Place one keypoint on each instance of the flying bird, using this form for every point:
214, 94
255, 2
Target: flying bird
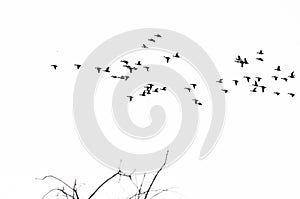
114, 76
285, 79
107, 70
151, 40
235, 82
248, 78
292, 75
199, 103
188, 89
157, 35
277, 93
254, 90
196, 101
98, 69
176, 55
155, 90
193, 85
147, 68
255, 84
263, 88
260, 52
167, 59
138, 63
54, 66
260, 59
291, 94
164, 88
143, 94
130, 98
126, 77
220, 81
77, 65
125, 62
225, 90
258, 78
144, 46
278, 68
275, 77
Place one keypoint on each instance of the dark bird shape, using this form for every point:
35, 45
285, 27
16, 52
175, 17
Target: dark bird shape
258, 78
143, 94
144, 46
242, 62
138, 63
285, 79
151, 40
125, 62
148, 92
224, 90
107, 70
235, 82
130, 98
188, 89
164, 88
254, 90
292, 75
277, 93
77, 65
263, 88
54, 66
157, 35
260, 59
220, 81
98, 69
155, 90
238, 59
278, 68
199, 103
195, 100
147, 68
291, 94
114, 76
275, 77
126, 77
176, 55
193, 85
131, 69
260, 52
122, 77
248, 78
255, 84
150, 85
167, 59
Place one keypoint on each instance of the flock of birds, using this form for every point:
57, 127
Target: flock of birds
152, 88
256, 81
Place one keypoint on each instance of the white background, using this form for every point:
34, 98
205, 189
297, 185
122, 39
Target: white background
258, 153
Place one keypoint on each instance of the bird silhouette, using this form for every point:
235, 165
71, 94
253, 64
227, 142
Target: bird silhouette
114, 76
278, 68
199, 103
130, 98
155, 90
224, 90
98, 69
151, 40
77, 65
255, 84
235, 82
193, 85
260, 59
263, 88
260, 52
148, 92
195, 100
291, 94
167, 59
176, 55
143, 94
144, 46
248, 78
238, 59
292, 75
107, 70
285, 79
275, 77
277, 93
125, 62
147, 68
258, 78
254, 90
220, 81
138, 63
131, 69
188, 89
164, 88
54, 66
157, 35
149, 86
126, 77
